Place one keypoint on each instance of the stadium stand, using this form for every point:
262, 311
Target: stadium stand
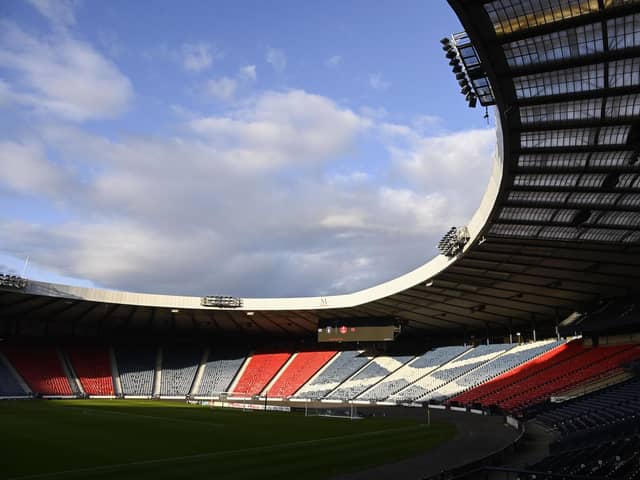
260, 369
220, 369
179, 365
136, 366
299, 371
371, 374
9, 386
91, 364
603, 409
536, 381
422, 388
615, 459
483, 393
410, 372
40, 367
340, 368
513, 358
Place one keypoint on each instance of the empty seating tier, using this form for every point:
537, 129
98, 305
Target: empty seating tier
259, 371
422, 389
93, 368
541, 379
412, 371
179, 366
480, 393
301, 369
375, 371
341, 367
40, 367
220, 370
611, 406
507, 361
136, 366
614, 459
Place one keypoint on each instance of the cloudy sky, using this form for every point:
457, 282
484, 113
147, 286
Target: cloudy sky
237, 147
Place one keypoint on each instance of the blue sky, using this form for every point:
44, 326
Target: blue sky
249, 148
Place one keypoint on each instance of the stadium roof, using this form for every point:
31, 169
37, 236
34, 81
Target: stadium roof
557, 231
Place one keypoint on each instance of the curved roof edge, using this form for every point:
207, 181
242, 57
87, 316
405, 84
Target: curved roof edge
421, 274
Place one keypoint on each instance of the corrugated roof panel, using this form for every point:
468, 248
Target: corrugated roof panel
610, 159
559, 233
559, 82
592, 180
508, 16
623, 106
540, 180
527, 214
514, 230
603, 235
569, 137
551, 198
624, 73
623, 219
555, 46
565, 215
630, 200
624, 32
626, 180
561, 112
592, 199
553, 160
614, 135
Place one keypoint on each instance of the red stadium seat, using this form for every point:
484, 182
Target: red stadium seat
259, 371
40, 367
298, 372
93, 368
536, 381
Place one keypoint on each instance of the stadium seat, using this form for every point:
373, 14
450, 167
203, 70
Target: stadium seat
424, 388
376, 370
410, 372
337, 370
93, 368
538, 380
40, 367
221, 368
179, 366
259, 371
136, 365
299, 371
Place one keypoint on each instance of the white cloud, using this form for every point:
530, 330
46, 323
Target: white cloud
252, 191
276, 58
221, 88
377, 82
248, 72
198, 56
61, 13
333, 62
279, 129
26, 170
62, 76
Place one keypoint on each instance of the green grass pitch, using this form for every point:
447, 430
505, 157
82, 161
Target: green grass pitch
123, 439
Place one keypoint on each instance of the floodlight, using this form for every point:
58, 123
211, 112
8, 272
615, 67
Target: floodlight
473, 102
451, 54
461, 75
445, 40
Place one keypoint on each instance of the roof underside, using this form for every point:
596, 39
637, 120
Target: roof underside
564, 232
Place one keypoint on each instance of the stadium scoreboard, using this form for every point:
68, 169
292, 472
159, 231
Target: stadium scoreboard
358, 330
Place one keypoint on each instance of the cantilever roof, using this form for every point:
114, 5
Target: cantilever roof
558, 229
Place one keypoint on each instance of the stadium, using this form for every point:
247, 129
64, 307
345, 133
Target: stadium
513, 354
